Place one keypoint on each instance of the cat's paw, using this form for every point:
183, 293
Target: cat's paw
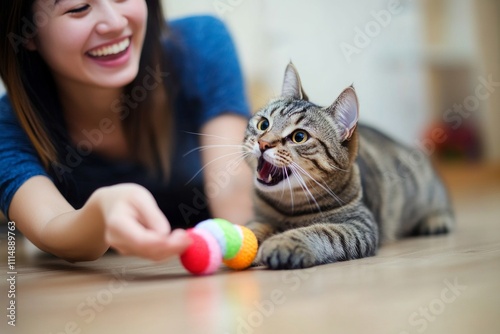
283, 252
435, 224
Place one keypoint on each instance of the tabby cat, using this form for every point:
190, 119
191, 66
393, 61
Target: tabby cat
327, 189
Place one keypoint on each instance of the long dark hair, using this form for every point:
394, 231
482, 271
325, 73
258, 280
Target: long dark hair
33, 94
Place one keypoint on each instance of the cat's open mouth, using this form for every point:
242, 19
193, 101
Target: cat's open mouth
269, 174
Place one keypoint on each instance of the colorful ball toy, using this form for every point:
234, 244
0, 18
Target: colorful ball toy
247, 252
204, 255
216, 241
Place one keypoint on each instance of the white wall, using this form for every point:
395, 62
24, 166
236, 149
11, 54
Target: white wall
390, 73
387, 73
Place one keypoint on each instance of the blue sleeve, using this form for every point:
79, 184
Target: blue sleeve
211, 72
18, 158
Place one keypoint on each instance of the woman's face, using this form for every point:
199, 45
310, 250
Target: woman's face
90, 42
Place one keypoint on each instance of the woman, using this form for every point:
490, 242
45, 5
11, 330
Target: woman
104, 109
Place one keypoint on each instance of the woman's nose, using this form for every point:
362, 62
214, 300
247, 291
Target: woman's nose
110, 19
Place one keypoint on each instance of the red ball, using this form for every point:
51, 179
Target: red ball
195, 258
204, 255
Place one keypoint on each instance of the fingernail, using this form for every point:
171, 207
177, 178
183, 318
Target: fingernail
181, 235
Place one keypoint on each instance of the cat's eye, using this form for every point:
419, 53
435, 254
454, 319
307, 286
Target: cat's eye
263, 124
299, 136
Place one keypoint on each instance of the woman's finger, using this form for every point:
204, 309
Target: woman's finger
133, 238
150, 215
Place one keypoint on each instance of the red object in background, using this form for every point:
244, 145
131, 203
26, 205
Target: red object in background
462, 143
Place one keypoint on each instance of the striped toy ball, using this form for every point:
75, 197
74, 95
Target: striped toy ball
204, 255
228, 236
247, 252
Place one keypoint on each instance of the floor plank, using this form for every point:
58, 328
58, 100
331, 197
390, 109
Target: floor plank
445, 284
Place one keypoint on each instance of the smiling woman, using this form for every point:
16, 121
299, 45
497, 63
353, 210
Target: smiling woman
43, 27
103, 99
97, 26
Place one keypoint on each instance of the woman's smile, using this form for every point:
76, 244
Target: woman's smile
111, 54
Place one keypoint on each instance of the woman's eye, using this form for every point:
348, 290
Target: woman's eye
299, 136
78, 10
263, 124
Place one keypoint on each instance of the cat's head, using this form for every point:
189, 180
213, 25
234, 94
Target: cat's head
294, 143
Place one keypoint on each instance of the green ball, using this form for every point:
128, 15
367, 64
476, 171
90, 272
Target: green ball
233, 238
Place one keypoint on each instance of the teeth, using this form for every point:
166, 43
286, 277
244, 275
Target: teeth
111, 49
269, 178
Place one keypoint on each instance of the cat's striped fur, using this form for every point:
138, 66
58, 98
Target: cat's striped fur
328, 189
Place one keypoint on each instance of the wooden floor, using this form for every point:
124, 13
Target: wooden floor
447, 284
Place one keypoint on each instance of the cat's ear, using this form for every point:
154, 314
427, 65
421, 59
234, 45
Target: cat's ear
345, 111
292, 87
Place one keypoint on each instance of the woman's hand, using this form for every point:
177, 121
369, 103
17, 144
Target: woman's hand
134, 224
124, 217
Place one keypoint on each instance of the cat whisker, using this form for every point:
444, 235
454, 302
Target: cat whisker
238, 160
214, 160
304, 187
324, 187
237, 140
338, 168
206, 147
289, 187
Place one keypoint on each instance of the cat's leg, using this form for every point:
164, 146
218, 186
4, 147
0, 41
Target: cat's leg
321, 243
440, 222
438, 213
262, 231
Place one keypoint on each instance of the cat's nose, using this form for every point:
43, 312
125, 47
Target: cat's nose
264, 145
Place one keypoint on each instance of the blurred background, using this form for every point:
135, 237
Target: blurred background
426, 71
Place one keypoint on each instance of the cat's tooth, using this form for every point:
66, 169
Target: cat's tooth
269, 178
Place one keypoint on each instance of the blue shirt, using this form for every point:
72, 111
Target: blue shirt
211, 84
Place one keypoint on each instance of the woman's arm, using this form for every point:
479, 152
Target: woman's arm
228, 179
124, 217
